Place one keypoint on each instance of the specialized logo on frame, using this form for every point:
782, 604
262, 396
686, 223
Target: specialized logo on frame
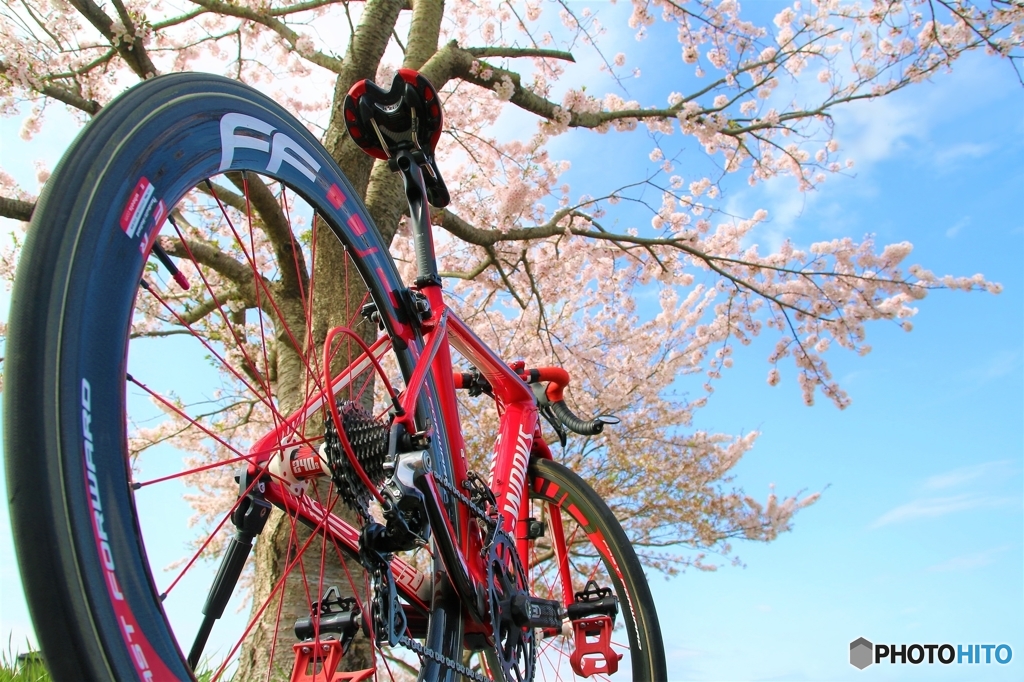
863, 653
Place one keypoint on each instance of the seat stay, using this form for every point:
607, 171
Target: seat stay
289, 431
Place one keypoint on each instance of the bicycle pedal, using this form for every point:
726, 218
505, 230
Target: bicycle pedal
593, 654
319, 660
331, 615
594, 601
537, 612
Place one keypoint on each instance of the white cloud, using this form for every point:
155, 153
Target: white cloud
785, 208
903, 124
995, 470
970, 150
874, 130
934, 507
998, 365
968, 562
954, 230
966, 488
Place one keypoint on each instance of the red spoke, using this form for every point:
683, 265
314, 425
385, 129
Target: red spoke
278, 586
189, 472
185, 416
259, 306
220, 308
323, 557
307, 306
292, 541
306, 298
260, 282
210, 537
265, 400
252, 457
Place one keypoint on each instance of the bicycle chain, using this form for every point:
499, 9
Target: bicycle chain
413, 645
477, 510
449, 663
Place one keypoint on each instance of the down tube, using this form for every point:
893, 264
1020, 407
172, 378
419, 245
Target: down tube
518, 418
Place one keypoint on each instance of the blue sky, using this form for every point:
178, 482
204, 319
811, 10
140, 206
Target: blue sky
919, 536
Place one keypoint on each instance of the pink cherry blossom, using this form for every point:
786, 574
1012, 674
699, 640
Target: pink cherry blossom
634, 304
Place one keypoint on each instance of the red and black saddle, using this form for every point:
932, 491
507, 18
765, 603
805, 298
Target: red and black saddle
407, 116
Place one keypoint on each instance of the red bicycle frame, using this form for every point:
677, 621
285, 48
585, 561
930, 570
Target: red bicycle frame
518, 439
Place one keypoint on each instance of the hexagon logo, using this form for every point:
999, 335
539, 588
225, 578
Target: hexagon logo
861, 653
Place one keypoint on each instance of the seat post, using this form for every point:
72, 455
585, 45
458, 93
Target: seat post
405, 161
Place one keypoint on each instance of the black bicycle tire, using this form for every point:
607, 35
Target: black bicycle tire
64, 370
552, 482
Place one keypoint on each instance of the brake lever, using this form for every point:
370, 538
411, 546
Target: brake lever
544, 408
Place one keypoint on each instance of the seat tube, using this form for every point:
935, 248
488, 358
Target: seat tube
428, 281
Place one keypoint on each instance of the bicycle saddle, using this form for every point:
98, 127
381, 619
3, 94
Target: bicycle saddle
407, 116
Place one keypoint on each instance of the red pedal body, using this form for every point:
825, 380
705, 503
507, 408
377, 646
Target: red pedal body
593, 652
318, 662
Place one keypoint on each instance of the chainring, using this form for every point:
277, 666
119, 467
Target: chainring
515, 646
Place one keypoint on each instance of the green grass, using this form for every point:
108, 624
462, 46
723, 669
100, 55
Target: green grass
11, 670
22, 668
29, 668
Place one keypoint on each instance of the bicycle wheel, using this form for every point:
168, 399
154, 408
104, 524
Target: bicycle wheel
131, 407
598, 553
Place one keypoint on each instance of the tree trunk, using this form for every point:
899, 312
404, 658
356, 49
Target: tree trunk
338, 293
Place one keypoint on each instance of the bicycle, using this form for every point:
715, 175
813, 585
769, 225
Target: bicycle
525, 575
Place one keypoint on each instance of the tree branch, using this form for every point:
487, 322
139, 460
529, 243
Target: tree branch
720, 265
61, 94
424, 31
212, 257
514, 52
290, 260
180, 19
471, 274
304, 6
194, 315
16, 209
269, 21
134, 53
146, 68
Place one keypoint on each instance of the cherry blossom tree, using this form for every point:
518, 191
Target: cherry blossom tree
541, 270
